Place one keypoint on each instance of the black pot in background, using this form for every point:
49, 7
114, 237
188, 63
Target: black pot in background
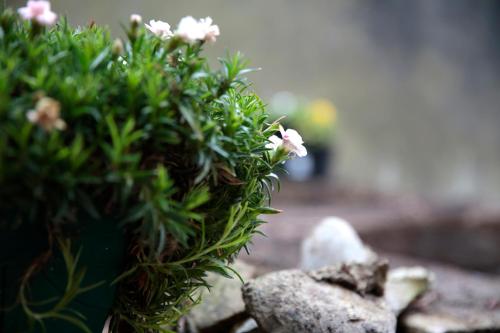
315, 165
322, 156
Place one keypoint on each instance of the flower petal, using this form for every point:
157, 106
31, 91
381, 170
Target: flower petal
25, 13
301, 151
282, 131
275, 142
32, 116
294, 136
60, 124
47, 18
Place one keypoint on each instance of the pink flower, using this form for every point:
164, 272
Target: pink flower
191, 30
38, 11
160, 29
291, 142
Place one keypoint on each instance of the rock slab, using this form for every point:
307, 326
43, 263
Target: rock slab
458, 302
223, 303
293, 301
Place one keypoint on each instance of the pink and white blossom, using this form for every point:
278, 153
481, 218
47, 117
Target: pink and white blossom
191, 30
211, 31
160, 29
38, 11
136, 19
290, 141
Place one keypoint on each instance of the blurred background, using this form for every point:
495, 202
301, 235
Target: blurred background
399, 105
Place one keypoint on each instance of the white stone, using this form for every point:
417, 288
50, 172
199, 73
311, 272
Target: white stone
405, 284
248, 326
333, 241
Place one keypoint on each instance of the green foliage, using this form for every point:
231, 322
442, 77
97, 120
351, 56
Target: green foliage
154, 138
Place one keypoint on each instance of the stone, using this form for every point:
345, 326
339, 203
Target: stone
364, 279
293, 301
248, 326
404, 285
442, 323
222, 305
459, 302
333, 241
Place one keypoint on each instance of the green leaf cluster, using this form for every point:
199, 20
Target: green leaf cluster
156, 139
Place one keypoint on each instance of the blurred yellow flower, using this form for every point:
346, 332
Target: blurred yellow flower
316, 119
322, 112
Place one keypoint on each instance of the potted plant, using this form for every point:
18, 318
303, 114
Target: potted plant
316, 120
128, 169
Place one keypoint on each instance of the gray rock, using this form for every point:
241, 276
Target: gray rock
364, 279
248, 326
459, 302
293, 301
333, 241
442, 323
404, 285
223, 302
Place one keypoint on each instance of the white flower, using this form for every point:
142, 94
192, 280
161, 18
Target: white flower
47, 114
291, 142
211, 31
160, 29
191, 30
136, 19
38, 11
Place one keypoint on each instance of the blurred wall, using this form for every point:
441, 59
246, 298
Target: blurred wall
416, 82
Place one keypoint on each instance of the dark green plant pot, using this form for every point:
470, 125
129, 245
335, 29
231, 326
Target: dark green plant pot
102, 246
323, 157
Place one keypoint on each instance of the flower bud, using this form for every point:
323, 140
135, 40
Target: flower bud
7, 20
117, 48
135, 20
